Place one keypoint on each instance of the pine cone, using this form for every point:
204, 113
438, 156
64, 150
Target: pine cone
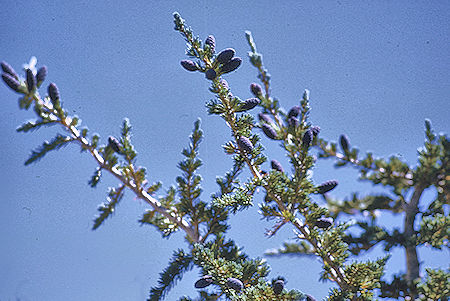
210, 74
114, 144
11, 81
41, 74
294, 111
276, 165
53, 92
225, 55
315, 130
269, 131
224, 83
235, 284
327, 186
310, 298
231, 65
344, 143
256, 89
211, 41
307, 138
324, 222
264, 117
189, 65
278, 287
245, 144
9, 70
31, 80
250, 104
203, 282
293, 122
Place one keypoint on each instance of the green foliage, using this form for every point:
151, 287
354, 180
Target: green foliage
115, 195
436, 285
407, 185
56, 143
287, 200
180, 263
33, 125
435, 231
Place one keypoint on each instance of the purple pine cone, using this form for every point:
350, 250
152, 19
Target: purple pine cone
294, 111
269, 131
114, 144
11, 81
235, 284
324, 222
211, 42
224, 83
189, 65
327, 186
256, 89
231, 65
31, 80
210, 74
278, 287
344, 143
225, 55
264, 117
293, 122
41, 74
310, 298
245, 144
250, 104
276, 165
9, 70
315, 130
53, 92
307, 138
203, 282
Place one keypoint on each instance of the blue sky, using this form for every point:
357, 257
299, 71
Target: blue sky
375, 69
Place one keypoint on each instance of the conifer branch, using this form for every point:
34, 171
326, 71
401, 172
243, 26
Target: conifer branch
33, 125
56, 143
114, 197
49, 111
180, 263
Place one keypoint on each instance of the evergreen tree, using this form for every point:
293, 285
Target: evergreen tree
227, 271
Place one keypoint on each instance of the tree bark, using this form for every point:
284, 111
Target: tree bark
412, 260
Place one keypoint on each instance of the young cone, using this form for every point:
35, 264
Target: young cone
11, 82
203, 282
210, 74
250, 104
40, 75
9, 70
189, 65
235, 284
53, 92
245, 144
324, 222
278, 287
114, 144
344, 143
225, 55
256, 89
264, 117
307, 138
231, 65
269, 131
31, 80
276, 165
211, 42
327, 186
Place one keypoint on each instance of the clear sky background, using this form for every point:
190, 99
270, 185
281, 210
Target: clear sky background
375, 69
